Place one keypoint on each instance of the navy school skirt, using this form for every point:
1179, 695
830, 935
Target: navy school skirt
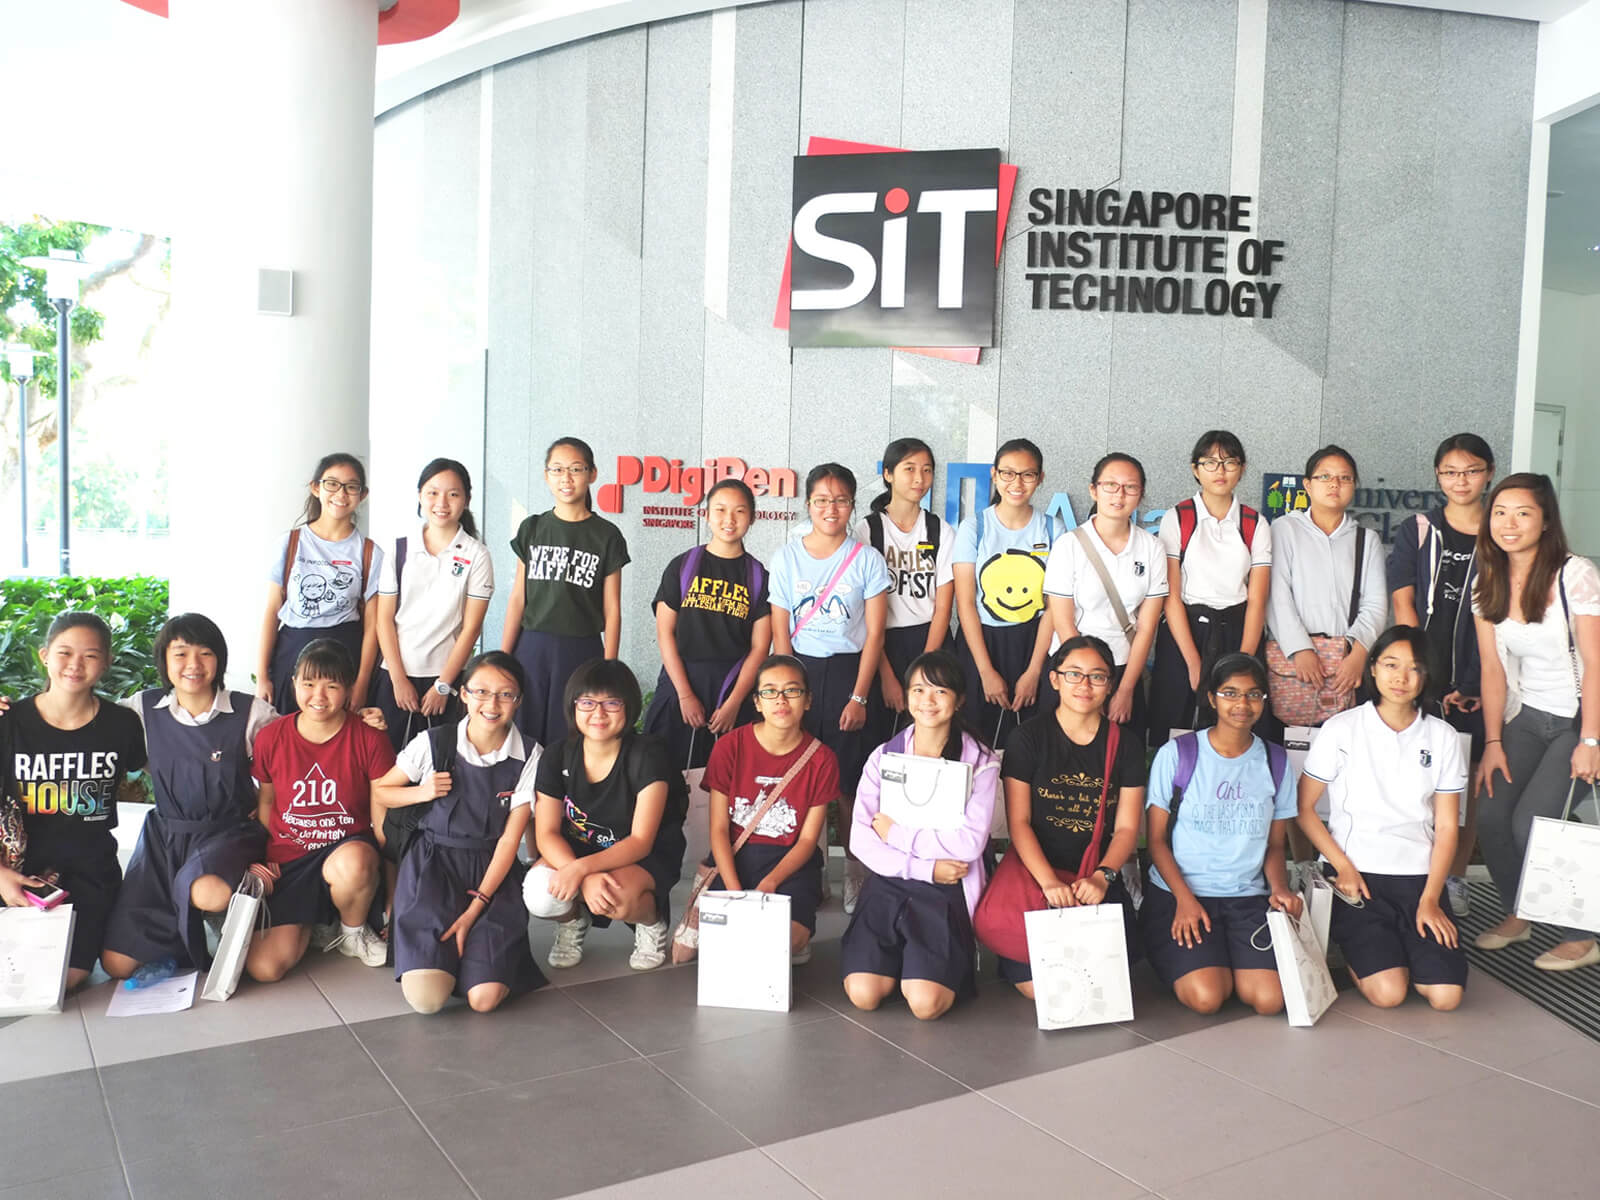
901, 646
912, 929
300, 896
549, 659
286, 648
403, 726
710, 678
833, 682
804, 888
1010, 650
1173, 704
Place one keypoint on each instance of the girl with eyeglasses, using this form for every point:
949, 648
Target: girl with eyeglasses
999, 570
1394, 777
782, 854
565, 606
460, 927
913, 929
1073, 803
917, 548
1217, 851
322, 575
713, 628
1537, 609
1433, 567
608, 824
1136, 564
1219, 573
829, 605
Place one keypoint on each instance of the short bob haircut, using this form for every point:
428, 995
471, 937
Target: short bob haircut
603, 677
497, 660
1229, 665
327, 659
1084, 641
198, 630
1417, 640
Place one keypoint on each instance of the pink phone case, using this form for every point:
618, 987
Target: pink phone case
55, 899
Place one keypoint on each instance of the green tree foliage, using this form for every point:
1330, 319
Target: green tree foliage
134, 608
22, 292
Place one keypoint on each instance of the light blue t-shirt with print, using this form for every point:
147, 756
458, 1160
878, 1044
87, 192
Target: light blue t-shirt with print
1228, 808
840, 626
1009, 563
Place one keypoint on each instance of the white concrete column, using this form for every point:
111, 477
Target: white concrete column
273, 107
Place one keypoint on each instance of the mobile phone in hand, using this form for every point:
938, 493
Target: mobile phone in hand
44, 895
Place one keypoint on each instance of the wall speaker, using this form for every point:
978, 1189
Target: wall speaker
275, 292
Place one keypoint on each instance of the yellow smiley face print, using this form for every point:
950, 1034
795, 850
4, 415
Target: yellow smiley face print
1011, 585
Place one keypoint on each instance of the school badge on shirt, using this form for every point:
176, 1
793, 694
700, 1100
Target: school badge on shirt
1426, 757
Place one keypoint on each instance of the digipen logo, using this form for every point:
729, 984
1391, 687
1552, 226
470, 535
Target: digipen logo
689, 485
895, 249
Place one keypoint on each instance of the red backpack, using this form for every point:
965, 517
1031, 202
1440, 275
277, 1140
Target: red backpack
1188, 519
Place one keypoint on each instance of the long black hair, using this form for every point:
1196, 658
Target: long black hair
893, 454
943, 669
338, 458
1018, 446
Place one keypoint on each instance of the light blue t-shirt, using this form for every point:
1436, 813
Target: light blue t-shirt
840, 627
1010, 565
1228, 808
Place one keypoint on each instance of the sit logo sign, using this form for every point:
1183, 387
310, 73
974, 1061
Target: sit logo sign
895, 249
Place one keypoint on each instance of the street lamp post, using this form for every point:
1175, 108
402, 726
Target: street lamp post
20, 360
63, 271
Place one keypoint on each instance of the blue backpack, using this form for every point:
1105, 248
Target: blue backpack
691, 564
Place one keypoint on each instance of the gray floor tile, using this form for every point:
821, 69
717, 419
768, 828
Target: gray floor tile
749, 1174
800, 1080
380, 1156
1156, 1116
1538, 1143
576, 1132
658, 1011
54, 1124
896, 1155
1575, 1071
458, 1051
106, 1183
356, 991
1334, 1166
1157, 1015
229, 1094
993, 1039
44, 1045
1323, 1067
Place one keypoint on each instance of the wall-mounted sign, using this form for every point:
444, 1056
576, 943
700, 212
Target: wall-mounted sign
681, 488
1380, 509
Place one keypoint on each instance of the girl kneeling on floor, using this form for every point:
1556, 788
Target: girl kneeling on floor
913, 927
1073, 802
781, 855
1217, 850
314, 770
1394, 778
608, 827
459, 924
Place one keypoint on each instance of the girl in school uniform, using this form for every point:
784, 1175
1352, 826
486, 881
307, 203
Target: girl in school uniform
782, 854
1329, 595
69, 751
459, 926
203, 835
713, 628
428, 627
608, 826
314, 770
323, 574
999, 575
1134, 561
1432, 569
913, 928
917, 549
1537, 610
1219, 572
1217, 847
1073, 804
829, 605
1394, 777
566, 599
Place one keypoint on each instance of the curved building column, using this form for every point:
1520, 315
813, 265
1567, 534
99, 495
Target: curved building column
273, 108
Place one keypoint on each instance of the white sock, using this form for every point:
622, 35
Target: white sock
349, 930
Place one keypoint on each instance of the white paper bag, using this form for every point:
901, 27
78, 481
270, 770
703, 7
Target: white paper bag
697, 825
1302, 968
237, 927
1561, 875
924, 793
1317, 893
35, 944
744, 951
1079, 958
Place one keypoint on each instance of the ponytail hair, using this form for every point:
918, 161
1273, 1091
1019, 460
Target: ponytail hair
584, 452
893, 453
1014, 446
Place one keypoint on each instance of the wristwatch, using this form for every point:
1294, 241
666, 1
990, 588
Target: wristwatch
1589, 741
861, 700
443, 688
1111, 876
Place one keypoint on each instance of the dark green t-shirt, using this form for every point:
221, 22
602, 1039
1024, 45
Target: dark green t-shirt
567, 563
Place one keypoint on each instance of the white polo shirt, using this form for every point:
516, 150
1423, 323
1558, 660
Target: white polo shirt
1138, 572
434, 590
1216, 570
1381, 786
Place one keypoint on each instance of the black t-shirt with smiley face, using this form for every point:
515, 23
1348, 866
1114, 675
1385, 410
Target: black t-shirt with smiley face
1009, 565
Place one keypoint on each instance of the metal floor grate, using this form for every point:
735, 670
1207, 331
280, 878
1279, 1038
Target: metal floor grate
1574, 996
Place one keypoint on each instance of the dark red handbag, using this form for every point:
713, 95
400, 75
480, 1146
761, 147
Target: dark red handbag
1013, 891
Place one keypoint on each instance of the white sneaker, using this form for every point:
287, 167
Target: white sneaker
801, 956
567, 951
649, 946
1460, 895
324, 937
362, 944
853, 875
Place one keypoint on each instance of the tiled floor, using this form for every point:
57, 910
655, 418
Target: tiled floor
612, 1083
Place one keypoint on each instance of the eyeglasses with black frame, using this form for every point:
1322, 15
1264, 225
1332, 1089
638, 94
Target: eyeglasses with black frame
792, 692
